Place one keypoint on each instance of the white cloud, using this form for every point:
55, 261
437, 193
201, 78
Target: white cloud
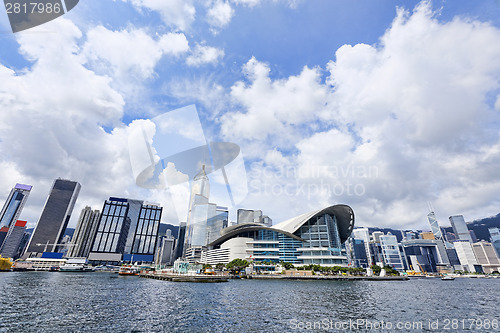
130, 52
404, 121
179, 14
219, 14
203, 54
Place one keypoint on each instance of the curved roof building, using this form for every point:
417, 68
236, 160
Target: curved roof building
312, 238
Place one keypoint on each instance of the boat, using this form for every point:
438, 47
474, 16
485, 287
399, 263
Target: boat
76, 265
447, 278
76, 268
129, 270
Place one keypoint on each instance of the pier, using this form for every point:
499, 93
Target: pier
184, 277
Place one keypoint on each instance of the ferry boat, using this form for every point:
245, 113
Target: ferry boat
76, 265
5, 264
129, 270
447, 278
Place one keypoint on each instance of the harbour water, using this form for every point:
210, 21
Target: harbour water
106, 302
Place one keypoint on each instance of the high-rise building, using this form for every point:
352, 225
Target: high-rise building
127, 230
196, 228
248, 216
10, 246
495, 238
14, 205
217, 221
460, 228
390, 252
56, 213
427, 255
364, 235
436, 230
466, 255
486, 256
179, 244
84, 234
165, 251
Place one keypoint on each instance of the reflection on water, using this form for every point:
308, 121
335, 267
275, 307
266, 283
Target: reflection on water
90, 302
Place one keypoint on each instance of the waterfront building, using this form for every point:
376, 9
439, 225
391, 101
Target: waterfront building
127, 231
45, 264
435, 229
312, 238
55, 216
466, 256
429, 255
14, 205
390, 252
84, 234
356, 251
460, 228
495, 238
453, 258
486, 256
10, 246
364, 235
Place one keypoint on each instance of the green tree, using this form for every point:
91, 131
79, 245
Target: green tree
287, 265
207, 266
237, 265
376, 269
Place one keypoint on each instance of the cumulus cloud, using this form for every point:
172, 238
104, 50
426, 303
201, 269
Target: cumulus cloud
219, 14
203, 54
130, 52
179, 14
391, 127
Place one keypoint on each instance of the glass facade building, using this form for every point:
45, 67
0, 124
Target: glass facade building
55, 217
313, 238
85, 233
14, 205
460, 228
126, 227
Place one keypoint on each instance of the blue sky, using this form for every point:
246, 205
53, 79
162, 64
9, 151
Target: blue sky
382, 105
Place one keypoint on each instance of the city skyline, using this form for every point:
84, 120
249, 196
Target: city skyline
383, 106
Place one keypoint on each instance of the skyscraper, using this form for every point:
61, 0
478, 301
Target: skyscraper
85, 232
390, 252
10, 246
196, 228
495, 238
460, 228
127, 230
436, 230
217, 221
55, 216
14, 205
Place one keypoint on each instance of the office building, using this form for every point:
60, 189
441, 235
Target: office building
14, 205
179, 243
460, 228
10, 246
426, 255
311, 238
85, 233
248, 216
356, 251
127, 231
427, 235
3, 234
486, 256
364, 235
196, 228
217, 221
495, 238
55, 216
435, 229
165, 252
390, 252
466, 256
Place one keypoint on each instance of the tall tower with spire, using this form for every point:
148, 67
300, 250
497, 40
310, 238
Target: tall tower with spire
198, 213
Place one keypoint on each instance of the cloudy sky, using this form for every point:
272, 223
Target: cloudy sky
386, 106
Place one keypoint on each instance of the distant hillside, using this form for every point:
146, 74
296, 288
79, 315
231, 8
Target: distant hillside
481, 226
164, 227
